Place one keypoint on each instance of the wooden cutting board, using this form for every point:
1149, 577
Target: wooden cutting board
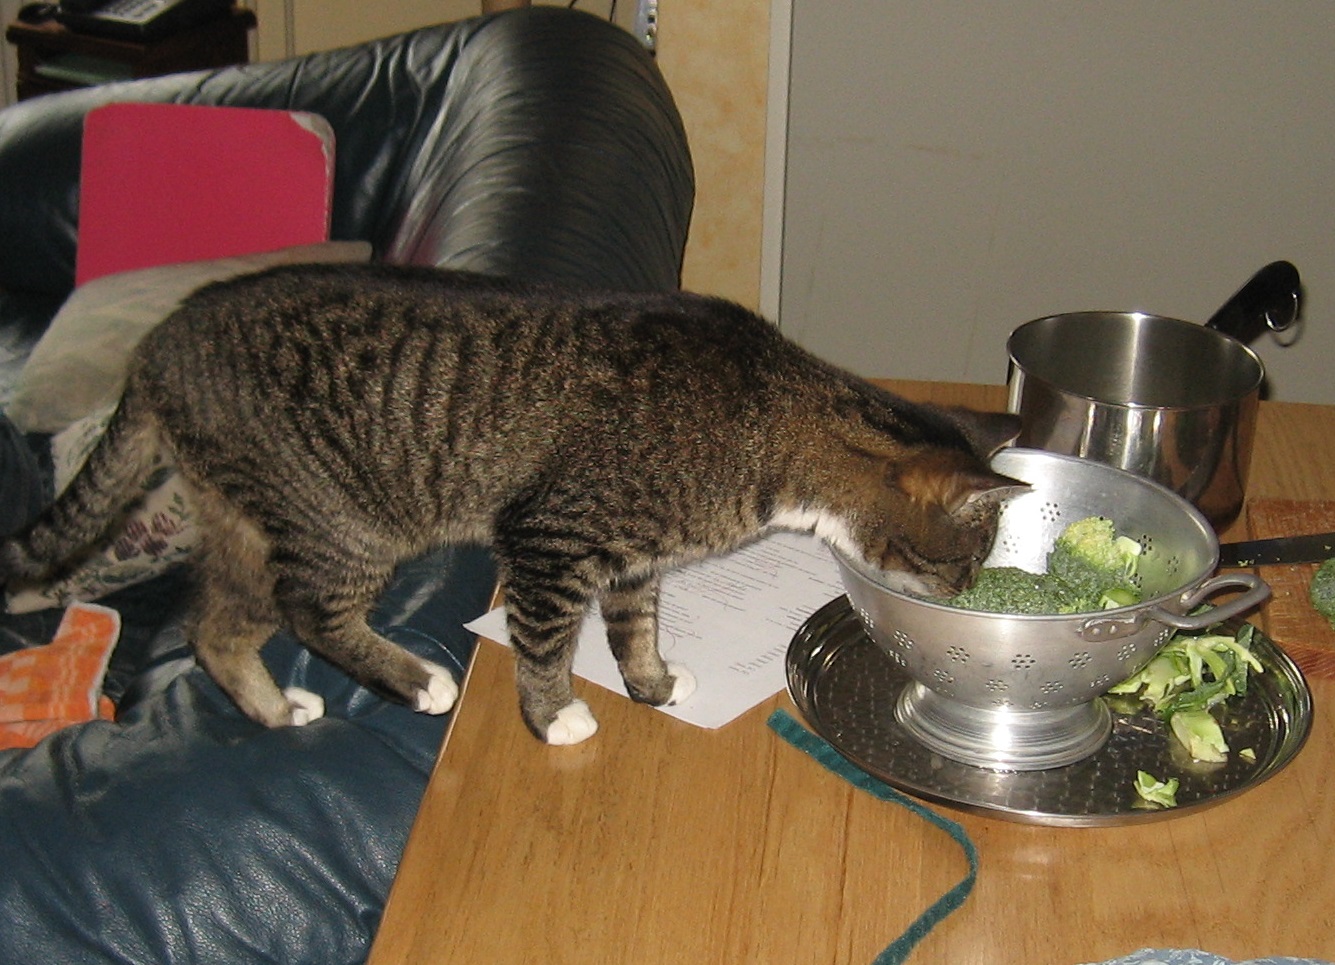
1288, 617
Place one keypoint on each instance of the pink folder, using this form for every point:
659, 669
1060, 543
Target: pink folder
169, 183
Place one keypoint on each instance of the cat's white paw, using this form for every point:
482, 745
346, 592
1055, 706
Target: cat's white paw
683, 684
441, 691
305, 705
574, 723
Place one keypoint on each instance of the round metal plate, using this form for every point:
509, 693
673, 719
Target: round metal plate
846, 689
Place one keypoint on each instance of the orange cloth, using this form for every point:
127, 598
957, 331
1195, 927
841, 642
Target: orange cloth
43, 689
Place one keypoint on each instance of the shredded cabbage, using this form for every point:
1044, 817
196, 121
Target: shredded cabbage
1190, 676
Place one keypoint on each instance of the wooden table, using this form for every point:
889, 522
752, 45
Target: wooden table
657, 842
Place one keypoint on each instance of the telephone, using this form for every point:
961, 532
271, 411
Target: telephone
137, 19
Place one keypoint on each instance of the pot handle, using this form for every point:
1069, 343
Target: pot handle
1271, 299
1255, 590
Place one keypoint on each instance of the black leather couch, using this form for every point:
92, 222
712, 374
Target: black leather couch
539, 144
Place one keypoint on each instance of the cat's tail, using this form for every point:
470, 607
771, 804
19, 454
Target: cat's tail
110, 483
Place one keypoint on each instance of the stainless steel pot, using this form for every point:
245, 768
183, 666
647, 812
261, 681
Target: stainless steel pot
1163, 398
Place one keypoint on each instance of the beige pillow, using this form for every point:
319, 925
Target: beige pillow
78, 366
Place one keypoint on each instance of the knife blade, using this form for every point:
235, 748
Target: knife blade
1310, 548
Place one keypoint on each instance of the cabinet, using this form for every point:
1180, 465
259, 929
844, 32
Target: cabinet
51, 57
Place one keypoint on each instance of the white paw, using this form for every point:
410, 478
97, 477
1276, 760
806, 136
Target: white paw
441, 691
682, 686
574, 723
305, 705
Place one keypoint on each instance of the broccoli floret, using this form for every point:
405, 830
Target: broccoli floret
1009, 589
1089, 568
1322, 590
1100, 565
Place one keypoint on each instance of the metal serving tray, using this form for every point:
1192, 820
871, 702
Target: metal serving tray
846, 689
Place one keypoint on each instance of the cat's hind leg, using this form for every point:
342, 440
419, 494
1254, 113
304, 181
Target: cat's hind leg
234, 616
323, 595
327, 607
630, 610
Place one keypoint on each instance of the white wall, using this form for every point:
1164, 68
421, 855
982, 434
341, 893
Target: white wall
956, 168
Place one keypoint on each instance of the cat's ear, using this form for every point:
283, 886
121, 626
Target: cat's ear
987, 432
989, 486
938, 478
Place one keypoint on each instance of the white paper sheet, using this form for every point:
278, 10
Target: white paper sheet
728, 619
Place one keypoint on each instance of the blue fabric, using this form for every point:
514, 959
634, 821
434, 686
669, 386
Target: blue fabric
247, 844
1192, 956
185, 832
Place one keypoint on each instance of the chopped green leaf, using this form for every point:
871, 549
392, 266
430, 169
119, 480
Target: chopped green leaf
1190, 675
1155, 792
1200, 734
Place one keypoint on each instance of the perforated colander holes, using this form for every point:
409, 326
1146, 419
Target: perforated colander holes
1051, 687
1080, 660
1050, 511
1100, 683
999, 688
866, 619
900, 644
1023, 661
957, 654
1126, 650
943, 678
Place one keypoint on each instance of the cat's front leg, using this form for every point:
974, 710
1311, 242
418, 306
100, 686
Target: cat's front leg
630, 610
544, 630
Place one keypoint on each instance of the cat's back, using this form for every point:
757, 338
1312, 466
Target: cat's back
362, 321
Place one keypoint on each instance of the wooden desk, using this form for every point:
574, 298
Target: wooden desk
656, 842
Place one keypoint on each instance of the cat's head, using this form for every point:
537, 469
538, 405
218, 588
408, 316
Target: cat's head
926, 509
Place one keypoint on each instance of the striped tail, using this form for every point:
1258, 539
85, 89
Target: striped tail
110, 483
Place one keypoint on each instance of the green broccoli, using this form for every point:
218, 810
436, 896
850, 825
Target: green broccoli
1009, 589
1090, 568
1100, 565
1322, 590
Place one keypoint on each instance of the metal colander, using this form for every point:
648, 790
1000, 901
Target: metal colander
1023, 692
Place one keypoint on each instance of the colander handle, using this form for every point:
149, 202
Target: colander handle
1255, 590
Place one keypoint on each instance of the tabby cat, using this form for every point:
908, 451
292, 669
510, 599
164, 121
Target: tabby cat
332, 421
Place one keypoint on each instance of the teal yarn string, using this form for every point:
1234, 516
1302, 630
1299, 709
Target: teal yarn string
783, 724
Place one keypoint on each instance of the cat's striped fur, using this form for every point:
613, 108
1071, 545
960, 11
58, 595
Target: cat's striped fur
332, 421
